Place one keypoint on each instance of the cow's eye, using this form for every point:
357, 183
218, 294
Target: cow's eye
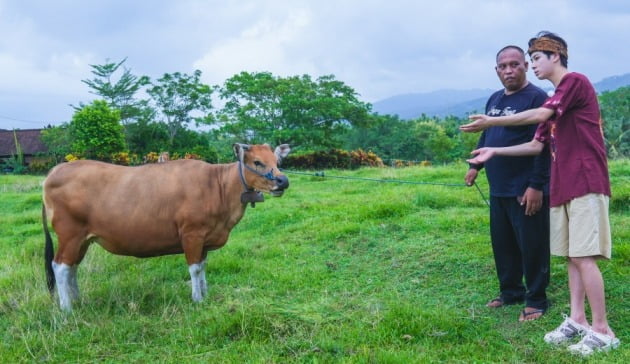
258, 164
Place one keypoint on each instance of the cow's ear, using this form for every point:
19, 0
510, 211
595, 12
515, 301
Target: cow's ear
239, 148
282, 151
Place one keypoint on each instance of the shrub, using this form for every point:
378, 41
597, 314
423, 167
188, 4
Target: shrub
41, 165
122, 158
71, 157
151, 157
333, 158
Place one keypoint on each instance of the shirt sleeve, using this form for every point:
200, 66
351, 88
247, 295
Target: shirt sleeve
542, 132
566, 95
540, 173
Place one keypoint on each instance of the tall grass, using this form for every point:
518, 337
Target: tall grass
336, 271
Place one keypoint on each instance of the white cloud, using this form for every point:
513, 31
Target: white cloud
378, 48
260, 47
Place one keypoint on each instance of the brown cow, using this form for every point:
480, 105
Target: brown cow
183, 206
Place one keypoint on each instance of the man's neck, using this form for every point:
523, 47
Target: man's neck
557, 75
510, 92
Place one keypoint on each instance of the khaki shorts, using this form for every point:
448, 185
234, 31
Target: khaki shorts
580, 228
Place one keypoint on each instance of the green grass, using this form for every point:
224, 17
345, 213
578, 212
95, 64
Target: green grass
336, 271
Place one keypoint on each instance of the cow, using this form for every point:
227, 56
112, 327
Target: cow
183, 206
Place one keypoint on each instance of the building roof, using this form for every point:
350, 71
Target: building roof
29, 139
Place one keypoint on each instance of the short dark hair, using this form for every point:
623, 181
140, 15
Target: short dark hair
517, 48
564, 60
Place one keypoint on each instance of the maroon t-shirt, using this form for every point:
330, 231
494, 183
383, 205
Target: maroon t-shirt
576, 141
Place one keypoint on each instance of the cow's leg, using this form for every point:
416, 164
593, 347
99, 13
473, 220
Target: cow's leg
64, 275
72, 248
203, 284
73, 284
195, 257
198, 280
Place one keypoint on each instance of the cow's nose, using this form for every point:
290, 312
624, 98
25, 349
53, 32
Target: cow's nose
282, 182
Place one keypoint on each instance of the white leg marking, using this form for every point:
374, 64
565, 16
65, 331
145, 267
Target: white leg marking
73, 285
64, 276
197, 276
204, 284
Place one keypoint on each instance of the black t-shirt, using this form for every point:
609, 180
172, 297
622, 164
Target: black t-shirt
511, 176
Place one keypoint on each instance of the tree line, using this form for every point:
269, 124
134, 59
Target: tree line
179, 114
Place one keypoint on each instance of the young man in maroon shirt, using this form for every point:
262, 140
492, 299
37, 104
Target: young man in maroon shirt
579, 191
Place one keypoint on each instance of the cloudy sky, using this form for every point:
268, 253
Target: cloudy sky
379, 48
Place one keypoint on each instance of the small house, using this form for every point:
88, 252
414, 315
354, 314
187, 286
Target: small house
29, 141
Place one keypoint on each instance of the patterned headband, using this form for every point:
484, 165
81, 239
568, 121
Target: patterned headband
549, 45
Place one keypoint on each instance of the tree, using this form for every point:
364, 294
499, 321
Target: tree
96, 131
615, 107
436, 143
145, 136
385, 136
58, 141
296, 110
177, 96
119, 95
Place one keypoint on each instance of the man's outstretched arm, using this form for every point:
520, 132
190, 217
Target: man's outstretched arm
482, 155
531, 116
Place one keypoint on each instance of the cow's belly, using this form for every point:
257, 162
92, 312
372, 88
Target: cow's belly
141, 246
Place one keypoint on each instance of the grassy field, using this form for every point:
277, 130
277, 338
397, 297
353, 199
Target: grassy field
336, 271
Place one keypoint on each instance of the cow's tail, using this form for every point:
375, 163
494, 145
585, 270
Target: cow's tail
49, 253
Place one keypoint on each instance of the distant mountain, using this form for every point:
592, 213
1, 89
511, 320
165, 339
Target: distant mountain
460, 103
436, 103
612, 83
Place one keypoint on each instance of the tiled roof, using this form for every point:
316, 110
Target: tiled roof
29, 140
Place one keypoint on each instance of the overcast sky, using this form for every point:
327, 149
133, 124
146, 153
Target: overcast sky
379, 48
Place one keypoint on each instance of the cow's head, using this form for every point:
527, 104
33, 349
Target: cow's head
260, 167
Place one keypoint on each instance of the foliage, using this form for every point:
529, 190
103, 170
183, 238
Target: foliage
413, 140
144, 136
96, 131
177, 96
120, 95
41, 164
122, 158
58, 140
335, 271
310, 114
71, 157
307, 114
615, 107
333, 158
151, 157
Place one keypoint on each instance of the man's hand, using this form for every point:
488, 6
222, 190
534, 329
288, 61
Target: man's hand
481, 155
480, 122
471, 176
532, 200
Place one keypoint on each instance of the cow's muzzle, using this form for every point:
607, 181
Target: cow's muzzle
282, 183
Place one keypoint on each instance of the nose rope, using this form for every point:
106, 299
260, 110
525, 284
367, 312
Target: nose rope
268, 175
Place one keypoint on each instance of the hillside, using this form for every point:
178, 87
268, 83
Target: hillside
459, 103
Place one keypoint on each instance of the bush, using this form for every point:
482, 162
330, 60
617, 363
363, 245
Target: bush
41, 165
122, 158
151, 157
333, 158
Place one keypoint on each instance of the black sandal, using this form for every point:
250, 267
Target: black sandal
525, 314
496, 303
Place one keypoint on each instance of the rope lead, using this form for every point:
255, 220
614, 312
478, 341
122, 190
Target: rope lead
321, 174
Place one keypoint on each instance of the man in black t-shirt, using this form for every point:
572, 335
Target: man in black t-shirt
519, 204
